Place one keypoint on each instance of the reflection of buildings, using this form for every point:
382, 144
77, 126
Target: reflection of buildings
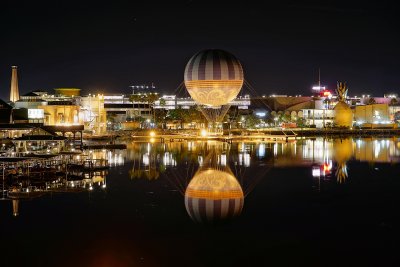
343, 150
15, 205
378, 150
71, 184
322, 154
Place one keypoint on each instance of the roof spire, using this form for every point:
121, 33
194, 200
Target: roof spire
319, 77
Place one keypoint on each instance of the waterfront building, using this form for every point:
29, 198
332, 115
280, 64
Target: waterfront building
26, 109
374, 115
318, 118
283, 104
169, 102
119, 108
124, 112
94, 113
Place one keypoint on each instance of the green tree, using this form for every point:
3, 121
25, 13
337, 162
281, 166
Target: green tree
251, 121
301, 122
162, 102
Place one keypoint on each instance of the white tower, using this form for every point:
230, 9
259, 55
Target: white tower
14, 92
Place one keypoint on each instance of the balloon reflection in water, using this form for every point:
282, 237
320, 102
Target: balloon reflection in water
213, 195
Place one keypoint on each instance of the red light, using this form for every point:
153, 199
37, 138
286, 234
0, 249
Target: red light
327, 167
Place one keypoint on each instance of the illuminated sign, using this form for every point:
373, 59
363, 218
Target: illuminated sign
326, 93
318, 88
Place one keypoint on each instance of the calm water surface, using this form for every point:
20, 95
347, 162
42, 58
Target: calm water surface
318, 202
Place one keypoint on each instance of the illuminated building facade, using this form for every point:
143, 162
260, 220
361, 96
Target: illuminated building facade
94, 113
319, 117
372, 114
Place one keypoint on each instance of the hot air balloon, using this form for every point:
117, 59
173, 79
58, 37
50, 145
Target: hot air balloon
213, 79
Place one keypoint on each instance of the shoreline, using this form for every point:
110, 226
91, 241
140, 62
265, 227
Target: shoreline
239, 132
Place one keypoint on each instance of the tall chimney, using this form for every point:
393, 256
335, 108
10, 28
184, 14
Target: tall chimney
14, 92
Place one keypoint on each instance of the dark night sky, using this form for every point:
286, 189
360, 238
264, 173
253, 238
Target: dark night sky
108, 46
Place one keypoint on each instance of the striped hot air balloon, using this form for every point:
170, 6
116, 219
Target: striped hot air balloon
213, 195
213, 77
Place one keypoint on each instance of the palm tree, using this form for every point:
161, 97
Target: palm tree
135, 98
145, 98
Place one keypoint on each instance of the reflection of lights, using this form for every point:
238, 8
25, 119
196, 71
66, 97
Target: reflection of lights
146, 159
203, 133
152, 140
115, 159
377, 149
223, 160
275, 149
246, 160
152, 134
191, 146
261, 150
200, 160
316, 171
168, 159
328, 166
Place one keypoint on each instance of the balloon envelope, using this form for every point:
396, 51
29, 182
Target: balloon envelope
213, 77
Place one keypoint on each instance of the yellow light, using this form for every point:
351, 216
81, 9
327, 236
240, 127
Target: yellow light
204, 132
213, 92
152, 140
152, 134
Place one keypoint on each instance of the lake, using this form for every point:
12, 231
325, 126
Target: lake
309, 202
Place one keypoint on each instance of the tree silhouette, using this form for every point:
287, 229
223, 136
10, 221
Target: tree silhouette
371, 101
393, 101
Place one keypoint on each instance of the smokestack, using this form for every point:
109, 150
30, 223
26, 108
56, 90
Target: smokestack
14, 92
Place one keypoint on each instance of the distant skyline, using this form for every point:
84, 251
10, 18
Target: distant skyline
106, 47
